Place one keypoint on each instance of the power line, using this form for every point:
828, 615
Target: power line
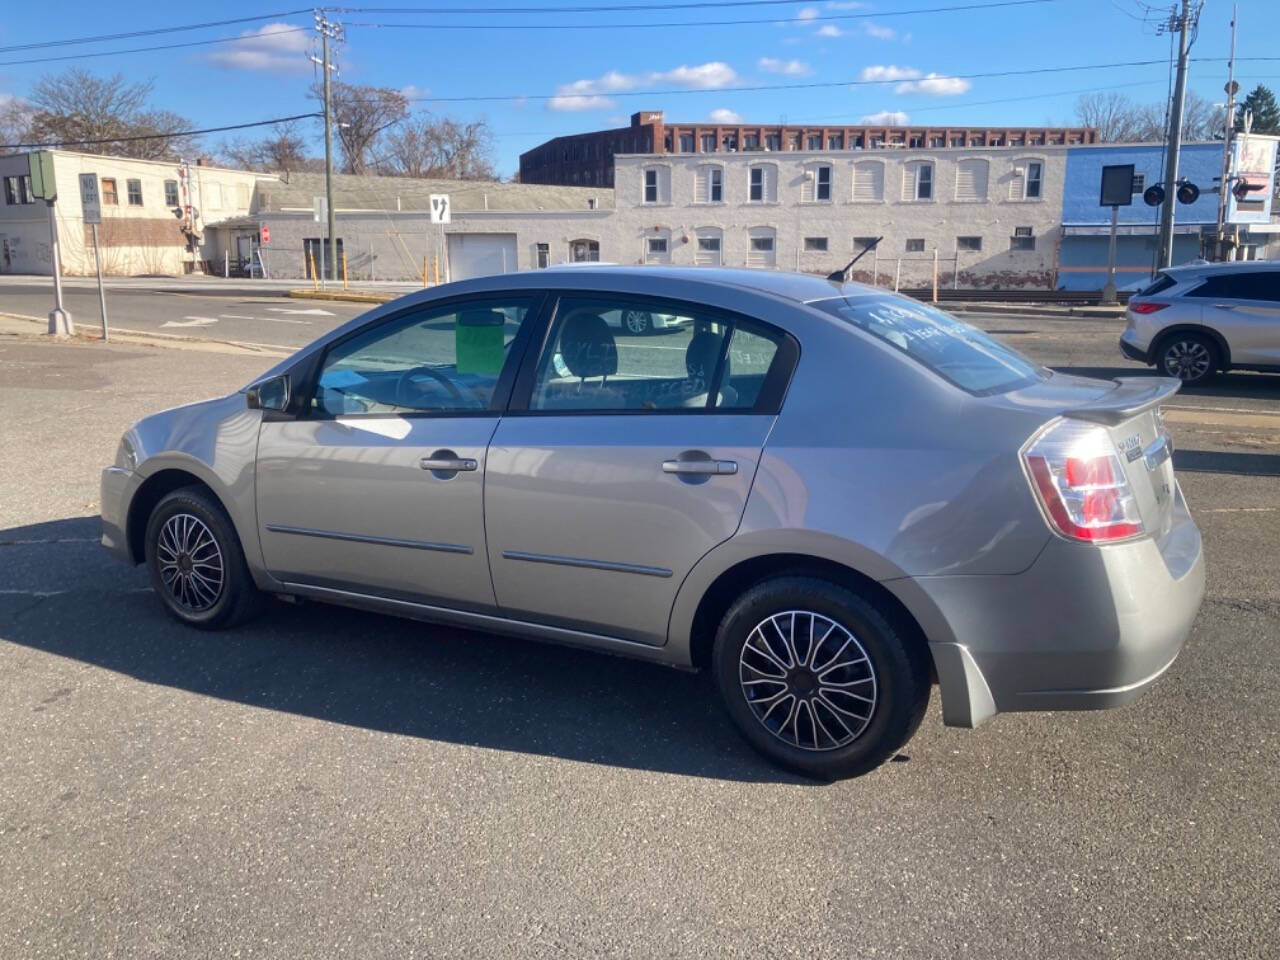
606, 8
155, 136
657, 24
163, 46
151, 33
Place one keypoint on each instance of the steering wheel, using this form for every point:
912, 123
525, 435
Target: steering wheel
404, 390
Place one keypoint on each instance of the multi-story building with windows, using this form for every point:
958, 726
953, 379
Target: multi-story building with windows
586, 159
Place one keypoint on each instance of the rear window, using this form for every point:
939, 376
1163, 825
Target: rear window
1252, 285
954, 350
1161, 283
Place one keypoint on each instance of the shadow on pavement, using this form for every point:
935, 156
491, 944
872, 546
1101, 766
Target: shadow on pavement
1214, 461
62, 594
1242, 385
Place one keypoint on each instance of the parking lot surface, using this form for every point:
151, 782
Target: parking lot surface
329, 783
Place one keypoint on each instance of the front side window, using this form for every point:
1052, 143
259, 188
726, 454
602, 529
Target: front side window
955, 351
135, 192
434, 360
171, 194
600, 358
110, 197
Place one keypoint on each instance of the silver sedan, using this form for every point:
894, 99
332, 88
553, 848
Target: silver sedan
828, 496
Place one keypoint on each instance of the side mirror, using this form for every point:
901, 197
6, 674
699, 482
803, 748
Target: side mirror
272, 394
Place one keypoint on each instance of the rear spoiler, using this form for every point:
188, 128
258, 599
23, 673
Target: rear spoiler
1130, 397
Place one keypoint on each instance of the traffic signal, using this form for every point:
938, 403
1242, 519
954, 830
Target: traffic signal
1242, 189
1188, 192
1153, 196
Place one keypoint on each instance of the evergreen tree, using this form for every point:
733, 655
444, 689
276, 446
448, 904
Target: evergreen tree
1266, 113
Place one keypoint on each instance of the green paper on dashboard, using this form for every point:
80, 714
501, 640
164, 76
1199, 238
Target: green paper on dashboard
478, 340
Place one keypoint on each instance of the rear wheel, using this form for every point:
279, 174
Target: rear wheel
1191, 357
818, 678
637, 322
196, 563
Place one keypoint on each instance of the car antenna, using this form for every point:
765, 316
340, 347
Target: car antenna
839, 275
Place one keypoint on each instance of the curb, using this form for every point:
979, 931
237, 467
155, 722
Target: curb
1037, 310
166, 340
345, 296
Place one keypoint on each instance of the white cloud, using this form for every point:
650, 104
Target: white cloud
413, 92
275, 48
911, 80
879, 32
593, 94
788, 68
829, 30
886, 118
845, 4
807, 13
935, 85
724, 115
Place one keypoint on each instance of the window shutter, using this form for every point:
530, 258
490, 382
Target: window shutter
868, 182
1018, 183
971, 180
909, 181
702, 185
808, 189
770, 183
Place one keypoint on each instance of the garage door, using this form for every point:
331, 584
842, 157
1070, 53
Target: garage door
481, 254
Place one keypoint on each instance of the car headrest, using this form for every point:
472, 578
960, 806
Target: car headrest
587, 346
701, 357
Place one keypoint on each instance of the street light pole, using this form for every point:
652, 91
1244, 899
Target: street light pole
1174, 144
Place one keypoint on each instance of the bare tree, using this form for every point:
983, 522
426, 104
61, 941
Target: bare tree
104, 115
1112, 114
15, 121
429, 147
1118, 119
361, 115
284, 151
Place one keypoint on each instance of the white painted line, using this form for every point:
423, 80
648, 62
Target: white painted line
27, 543
305, 323
1239, 510
1197, 406
305, 312
190, 322
235, 316
32, 593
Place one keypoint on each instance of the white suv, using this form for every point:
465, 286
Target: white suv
1199, 318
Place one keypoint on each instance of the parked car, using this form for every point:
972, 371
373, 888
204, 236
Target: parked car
825, 494
1197, 319
642, 321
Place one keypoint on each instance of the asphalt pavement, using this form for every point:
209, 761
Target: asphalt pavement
324, 783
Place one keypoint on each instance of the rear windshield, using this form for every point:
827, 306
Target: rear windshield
955, 351
1161, 283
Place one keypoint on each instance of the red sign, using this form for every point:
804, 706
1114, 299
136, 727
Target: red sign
266, 234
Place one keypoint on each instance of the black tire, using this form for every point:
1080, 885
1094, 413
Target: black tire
637, 322
897, 663
184, 585
1191, 357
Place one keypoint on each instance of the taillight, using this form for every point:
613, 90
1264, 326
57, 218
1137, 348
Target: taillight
1147, 307
1080, 482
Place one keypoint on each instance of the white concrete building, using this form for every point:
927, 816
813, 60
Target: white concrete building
993, 213
155, 214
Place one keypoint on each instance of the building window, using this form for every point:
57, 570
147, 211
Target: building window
543, 254
657, 244
822, 185
816, 244
864, 243
730, 142
868, 181
708, 143
709, 185
915, 245
1139, 183
134, 188
1035, 176
171, 193
763, 185
17, 190
773, 142
109, 195
686, 143
1022, 240
793, 141
924, 182
761, 250
708, 250
651, 186
751, 141
835, 141
968, 244
757, 184
813, 142
584, 251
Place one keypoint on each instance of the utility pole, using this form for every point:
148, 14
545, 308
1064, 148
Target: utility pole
1183, 24
328, 31
1224, 183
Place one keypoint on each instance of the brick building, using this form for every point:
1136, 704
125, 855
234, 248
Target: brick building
586, 159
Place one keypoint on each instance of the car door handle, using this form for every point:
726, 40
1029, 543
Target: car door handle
702, 468
448, 464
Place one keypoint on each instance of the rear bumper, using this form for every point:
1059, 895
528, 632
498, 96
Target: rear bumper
118, 486
1133, 352
1084, 628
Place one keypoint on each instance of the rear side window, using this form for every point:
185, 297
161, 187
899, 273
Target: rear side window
954, 350
1161, 283
1253, 285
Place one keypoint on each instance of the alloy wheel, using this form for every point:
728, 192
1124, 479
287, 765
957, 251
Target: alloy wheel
808, 680
190, 561
637, 321
1188, 360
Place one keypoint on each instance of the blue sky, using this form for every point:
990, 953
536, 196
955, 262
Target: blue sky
599, 76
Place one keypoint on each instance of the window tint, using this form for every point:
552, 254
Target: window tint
955, 351
619, 355
440, 360
1161, 283
1258, 285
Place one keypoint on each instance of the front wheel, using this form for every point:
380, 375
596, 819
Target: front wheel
196, 563
637, 322
818, 678
1190, 357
